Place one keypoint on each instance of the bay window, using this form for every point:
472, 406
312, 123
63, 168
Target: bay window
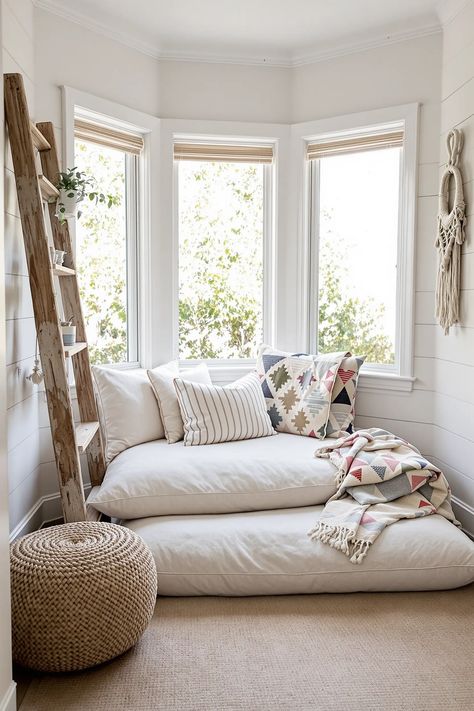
224, 245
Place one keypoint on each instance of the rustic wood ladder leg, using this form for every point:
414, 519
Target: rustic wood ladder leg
69, 441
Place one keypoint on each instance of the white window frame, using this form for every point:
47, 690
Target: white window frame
400, 376
142, 214
268, 301
230, 133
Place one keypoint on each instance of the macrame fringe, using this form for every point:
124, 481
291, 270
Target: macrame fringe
448, 282
335, 536
342, 539
451, 234
359, 550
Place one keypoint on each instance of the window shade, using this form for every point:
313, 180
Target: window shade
339, 146
235, 154
106, 136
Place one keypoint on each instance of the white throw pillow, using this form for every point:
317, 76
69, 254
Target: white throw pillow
163, 387
223, 414
128, 410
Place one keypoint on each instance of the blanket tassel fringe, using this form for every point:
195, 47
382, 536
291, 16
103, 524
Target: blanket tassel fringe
342, 539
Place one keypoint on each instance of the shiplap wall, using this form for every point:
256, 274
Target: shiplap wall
401, 73
24, 457
395, 74
450, 359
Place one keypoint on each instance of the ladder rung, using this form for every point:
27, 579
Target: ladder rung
72, 350
59, 270
39, 141
48, 191
84, 434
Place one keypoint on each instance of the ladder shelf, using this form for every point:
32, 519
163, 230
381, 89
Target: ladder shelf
37, 193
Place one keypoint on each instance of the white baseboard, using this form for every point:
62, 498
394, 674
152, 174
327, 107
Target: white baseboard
8, 703
465, 515
47, 508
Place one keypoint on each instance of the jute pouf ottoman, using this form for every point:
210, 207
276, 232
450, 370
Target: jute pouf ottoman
82, 593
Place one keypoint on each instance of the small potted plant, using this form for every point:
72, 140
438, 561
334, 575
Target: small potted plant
68, 332
74, 186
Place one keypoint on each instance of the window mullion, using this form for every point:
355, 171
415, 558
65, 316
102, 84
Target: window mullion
269, 295
314, 231
131, 199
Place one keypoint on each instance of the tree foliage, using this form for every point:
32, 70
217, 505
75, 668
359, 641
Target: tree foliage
346, 322
220, 259
102, 256
220, 268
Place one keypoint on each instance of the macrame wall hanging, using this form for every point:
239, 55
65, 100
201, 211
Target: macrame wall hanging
451, 233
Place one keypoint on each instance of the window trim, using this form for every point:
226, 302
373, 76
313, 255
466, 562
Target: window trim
406, 115
314, 167
269, 247
146, 214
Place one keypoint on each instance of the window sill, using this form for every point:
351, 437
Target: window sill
223, 373
385, 381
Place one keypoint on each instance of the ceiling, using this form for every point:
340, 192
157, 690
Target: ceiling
281, 32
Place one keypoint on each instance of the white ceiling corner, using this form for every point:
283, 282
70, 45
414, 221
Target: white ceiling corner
284, 40
447, 10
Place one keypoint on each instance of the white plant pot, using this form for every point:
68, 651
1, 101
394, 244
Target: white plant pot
66, 205
69, 335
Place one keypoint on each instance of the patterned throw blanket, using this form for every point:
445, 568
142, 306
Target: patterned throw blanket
381, 479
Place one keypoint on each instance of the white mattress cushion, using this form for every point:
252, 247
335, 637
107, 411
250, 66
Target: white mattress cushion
269, 553
159, 479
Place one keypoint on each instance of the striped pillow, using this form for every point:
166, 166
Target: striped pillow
215, 414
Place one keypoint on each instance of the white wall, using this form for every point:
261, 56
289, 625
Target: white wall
7, 687
395, 74
24, 457
450, 359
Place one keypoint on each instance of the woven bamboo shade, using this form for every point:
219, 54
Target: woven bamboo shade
354, 144
221, 152
106, 136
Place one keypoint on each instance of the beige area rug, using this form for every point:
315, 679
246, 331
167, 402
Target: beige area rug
361, 652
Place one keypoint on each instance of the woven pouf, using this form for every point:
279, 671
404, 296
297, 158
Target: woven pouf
82, 593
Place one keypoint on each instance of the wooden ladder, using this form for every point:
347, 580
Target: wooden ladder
70, 440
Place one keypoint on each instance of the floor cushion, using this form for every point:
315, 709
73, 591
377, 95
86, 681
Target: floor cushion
82, 593
269, 553
159, 479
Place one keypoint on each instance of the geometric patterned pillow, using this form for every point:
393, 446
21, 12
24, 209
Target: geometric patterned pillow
297, 390
342, 411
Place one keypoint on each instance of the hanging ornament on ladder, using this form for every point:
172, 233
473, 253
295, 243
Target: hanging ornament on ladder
36, 376
451, 234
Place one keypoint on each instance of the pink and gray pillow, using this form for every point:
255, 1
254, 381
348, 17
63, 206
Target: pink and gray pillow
302, 402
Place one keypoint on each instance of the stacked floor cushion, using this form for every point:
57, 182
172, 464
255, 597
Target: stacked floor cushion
269, 553
232, 519
160, 479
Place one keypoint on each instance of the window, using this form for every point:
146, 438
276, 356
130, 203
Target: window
354, 211
107, 239
224, 243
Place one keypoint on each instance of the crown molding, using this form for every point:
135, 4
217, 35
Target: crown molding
356, 47
282, 61
78, 18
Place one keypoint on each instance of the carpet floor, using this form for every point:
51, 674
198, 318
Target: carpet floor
358, 652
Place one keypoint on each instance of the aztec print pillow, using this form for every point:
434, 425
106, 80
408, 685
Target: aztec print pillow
342, 411
297, 390
342, 407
